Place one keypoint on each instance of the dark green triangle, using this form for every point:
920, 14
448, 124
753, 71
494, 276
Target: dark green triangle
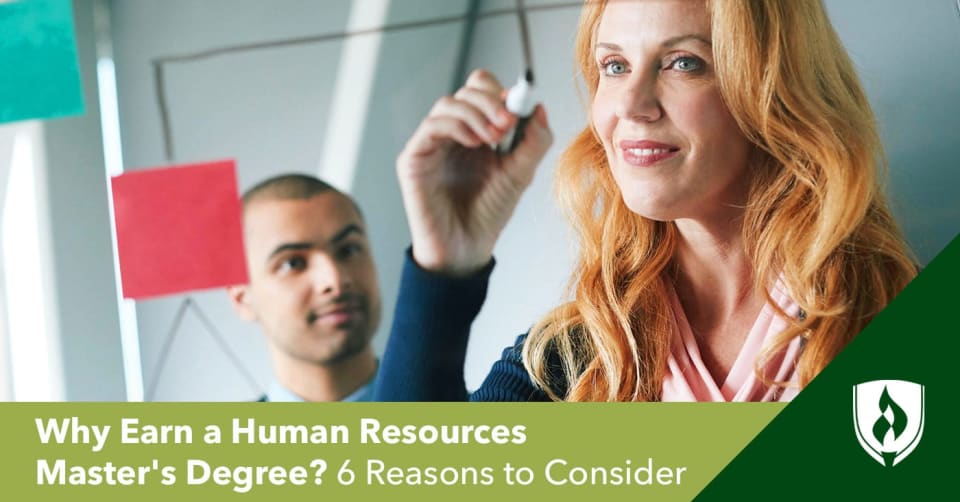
810, 451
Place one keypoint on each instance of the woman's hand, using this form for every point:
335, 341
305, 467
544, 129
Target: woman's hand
458, 192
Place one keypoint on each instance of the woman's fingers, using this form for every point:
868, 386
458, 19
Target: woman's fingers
483, 80
458, 191
538, 137
437, 131
489, 104
472, 116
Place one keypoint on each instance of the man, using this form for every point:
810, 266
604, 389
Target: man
313, 289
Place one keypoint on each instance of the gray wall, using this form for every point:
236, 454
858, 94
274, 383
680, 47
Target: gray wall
7, 137
906, 54
267, 108
83, 264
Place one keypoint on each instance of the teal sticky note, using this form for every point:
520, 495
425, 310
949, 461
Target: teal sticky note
39, 73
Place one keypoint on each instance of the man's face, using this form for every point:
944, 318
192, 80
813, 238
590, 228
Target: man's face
313, 284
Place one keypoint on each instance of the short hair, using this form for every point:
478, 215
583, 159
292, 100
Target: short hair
292, 186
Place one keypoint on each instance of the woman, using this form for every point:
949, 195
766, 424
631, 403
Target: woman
733, 231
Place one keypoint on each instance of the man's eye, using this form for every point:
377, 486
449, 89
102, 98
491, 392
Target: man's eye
349, 250
295, 263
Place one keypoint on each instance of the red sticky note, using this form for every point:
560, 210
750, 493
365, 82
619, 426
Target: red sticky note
179, 229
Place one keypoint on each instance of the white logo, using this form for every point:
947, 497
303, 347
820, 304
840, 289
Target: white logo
888, 418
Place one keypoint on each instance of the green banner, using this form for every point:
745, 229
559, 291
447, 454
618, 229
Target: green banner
422, 451
873, 425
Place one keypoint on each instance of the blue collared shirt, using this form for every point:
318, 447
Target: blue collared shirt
280, 394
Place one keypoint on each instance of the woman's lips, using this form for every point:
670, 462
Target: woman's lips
646, 153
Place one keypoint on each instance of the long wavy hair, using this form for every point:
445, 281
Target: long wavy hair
816, 216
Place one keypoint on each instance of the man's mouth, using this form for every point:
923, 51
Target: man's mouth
335, 314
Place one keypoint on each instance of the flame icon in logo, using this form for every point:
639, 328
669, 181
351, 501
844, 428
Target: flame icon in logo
884, 425
888, 429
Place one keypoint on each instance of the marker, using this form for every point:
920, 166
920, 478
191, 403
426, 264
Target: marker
520, 102
520, 99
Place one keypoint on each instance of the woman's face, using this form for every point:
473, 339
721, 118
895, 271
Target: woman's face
675, 150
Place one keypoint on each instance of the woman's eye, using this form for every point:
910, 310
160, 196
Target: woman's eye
614, 68
686, 64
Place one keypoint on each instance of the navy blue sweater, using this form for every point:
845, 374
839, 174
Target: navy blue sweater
428, 343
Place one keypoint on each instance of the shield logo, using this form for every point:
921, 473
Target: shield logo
888, 418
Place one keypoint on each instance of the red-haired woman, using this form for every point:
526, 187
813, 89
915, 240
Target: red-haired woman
728, 198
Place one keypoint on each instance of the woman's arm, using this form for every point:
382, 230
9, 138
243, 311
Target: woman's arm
428, 343
459, 194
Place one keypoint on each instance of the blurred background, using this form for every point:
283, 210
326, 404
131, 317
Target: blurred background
314, 86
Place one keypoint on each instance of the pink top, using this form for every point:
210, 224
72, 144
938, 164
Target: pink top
688, 379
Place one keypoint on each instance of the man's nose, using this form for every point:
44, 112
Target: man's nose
330, 277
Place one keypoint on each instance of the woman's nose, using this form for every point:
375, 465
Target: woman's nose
639, 100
